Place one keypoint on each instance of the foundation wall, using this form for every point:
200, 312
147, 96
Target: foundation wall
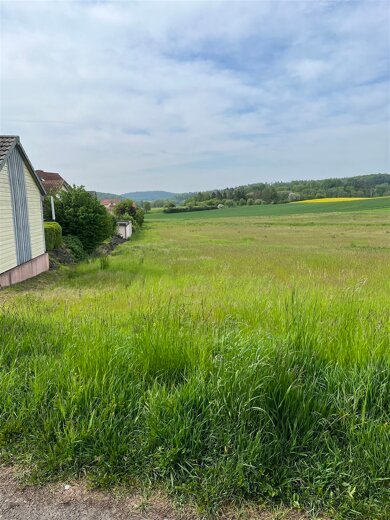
22, 272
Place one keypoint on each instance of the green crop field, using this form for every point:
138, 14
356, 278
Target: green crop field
273, 210
224, 359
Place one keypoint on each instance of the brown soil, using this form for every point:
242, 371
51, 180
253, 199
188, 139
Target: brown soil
73, 501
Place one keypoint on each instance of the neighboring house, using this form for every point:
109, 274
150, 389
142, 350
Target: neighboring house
22, 239
110, 204
52, 182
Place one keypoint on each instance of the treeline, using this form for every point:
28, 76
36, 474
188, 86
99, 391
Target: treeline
375, 185
171, 208
179, 198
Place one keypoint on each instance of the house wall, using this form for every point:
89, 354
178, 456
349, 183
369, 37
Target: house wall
7, 235
22, 236
35, 215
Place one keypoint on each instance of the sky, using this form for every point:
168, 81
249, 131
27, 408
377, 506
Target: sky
185, 96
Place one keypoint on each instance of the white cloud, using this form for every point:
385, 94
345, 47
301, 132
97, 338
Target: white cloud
191, 95
307, 70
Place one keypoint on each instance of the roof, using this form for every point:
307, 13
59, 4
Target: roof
7, 144
51, 180
108, 202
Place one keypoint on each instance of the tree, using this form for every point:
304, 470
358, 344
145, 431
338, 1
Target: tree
147, 206
139, 216
127, 210
159, 203
293, 196
81, 215
269, 194
125, 207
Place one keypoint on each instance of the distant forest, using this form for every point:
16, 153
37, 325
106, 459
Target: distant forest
375, 185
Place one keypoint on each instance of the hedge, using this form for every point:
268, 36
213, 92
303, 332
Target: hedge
53, 235
75, 246
187, 209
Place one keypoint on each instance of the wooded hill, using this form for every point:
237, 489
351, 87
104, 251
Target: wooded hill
375, 185
149, 196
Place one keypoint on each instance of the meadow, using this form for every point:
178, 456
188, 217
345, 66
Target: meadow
274, 210
238, 355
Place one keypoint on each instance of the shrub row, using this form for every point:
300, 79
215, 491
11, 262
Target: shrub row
188, 209
53, 235
75, 246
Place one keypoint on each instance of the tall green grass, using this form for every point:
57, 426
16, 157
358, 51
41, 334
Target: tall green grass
221, 385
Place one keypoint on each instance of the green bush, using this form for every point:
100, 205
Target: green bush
134, 224
125, 207
139, 216
113, 225
187, 209
53, 235
83, 216
46, 207
76, 247
127, 210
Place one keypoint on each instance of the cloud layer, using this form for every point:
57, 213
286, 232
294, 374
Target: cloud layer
120, 96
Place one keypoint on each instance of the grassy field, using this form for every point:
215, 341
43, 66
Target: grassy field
225, 359
275, 210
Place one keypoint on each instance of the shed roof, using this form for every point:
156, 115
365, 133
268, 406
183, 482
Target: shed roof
7, 144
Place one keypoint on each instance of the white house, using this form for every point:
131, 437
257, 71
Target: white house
22, 239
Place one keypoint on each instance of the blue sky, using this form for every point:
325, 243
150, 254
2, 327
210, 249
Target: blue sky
124, 96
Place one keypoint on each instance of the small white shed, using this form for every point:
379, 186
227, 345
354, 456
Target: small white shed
124, 229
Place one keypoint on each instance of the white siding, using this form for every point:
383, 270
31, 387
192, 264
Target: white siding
7, 236
34, 203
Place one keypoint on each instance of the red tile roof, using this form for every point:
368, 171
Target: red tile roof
52, 181
109, 204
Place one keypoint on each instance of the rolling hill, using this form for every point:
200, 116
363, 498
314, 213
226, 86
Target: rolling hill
140, 195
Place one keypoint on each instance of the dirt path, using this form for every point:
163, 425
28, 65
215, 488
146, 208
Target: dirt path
74, 501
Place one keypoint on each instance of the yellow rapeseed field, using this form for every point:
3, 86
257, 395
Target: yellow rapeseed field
335, 199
